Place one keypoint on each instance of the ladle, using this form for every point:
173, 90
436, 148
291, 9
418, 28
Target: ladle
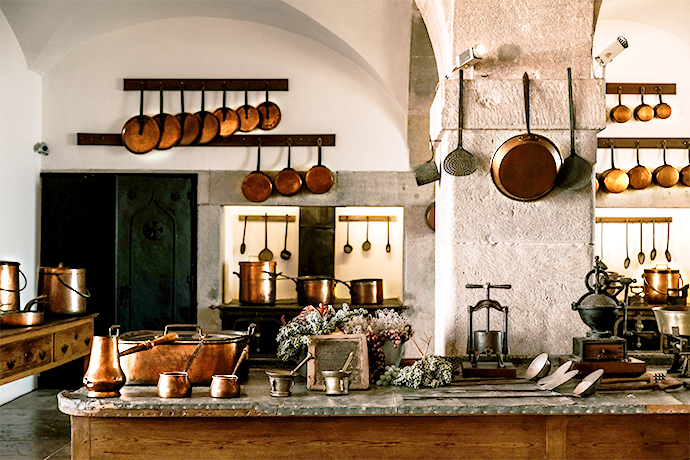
243, 246
366, 245
576, 171
265, 255
668, 238
652, 255
626, 262
285, 254
347, 361
388, 244
640, 255
348, 246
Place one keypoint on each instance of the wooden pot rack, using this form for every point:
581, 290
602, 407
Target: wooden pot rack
635, 88
370, 218
208, 84
633, 220
234, 140
644, 143
263, 218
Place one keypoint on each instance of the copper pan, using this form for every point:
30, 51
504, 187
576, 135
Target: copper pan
526, 166
227, 118
614, 180
209, 125
666, 175
141, 133
191, 126
319, 179
685, 172
269, 113
662, 110
643, 112
620, 113
288, 181
257, 186
640, 177
170, 127
248, 115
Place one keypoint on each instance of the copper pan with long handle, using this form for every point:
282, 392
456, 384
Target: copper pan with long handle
269, 113
209, 126
525, 167
189, 122
257, 186
614, 180
170, 127
227, 118
141, 133
640, 177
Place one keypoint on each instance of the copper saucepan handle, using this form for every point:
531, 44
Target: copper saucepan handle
148, 344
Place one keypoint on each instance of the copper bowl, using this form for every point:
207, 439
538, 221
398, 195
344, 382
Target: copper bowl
174, 385
225, 386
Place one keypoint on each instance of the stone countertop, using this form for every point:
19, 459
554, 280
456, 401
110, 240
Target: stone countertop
255, 401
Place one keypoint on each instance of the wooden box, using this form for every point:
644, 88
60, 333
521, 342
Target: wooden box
330, 353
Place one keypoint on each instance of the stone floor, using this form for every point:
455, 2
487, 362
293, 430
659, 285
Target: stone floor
32, 427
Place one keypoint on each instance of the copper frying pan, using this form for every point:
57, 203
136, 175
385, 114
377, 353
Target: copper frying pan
666, 175
288, 181
208, 123
170, 127
269, 113
141, 133
257, 186
227, 118
640, 177
685, 172
249, 116
319, 179
525, 167
189, 122
614, 180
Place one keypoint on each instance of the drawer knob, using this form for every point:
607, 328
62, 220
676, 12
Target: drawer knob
42, 354
10, 364
64, 348
87, 341
28, 355
76, 336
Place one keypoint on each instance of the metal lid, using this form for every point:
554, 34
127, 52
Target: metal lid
186, 337
661, 270
60, 270
5, 262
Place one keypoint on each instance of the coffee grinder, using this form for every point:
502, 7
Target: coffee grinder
599, 309
484, 346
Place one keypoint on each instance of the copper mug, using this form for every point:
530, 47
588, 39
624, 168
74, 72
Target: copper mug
104, 377
225, 386
174, 385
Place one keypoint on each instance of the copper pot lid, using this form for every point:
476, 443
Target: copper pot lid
60, 270
185, 337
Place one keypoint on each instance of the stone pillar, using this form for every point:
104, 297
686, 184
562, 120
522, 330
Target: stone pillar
542, 248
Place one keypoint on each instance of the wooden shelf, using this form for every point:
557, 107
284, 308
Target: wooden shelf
209, 84
633, 220
371, 218
271, 218
235, 140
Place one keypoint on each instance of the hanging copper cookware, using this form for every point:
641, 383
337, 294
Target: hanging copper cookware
662, 110
620, 113
525, 167
643, 112
208, 123
227, 118
614, 180
269, 113
685, 172
170, 127
191, 126
248, 115
319, 179
288, 181
257, 186
141, 133
666, 175
640, 177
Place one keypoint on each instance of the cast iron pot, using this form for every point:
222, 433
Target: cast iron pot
366, 291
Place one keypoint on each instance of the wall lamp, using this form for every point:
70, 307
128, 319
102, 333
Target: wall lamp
470, 57
610, 52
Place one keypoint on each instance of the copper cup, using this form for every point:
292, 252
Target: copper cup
174, 385
225, 386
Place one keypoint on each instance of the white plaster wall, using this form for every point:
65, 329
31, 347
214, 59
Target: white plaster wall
20, 106
328, 94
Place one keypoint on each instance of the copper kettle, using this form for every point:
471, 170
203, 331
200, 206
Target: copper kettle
104, 377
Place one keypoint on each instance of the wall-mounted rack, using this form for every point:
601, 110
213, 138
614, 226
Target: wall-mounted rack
364, 218
633, 220
262, 218
209, 84
645, 142
267, 140
634, 88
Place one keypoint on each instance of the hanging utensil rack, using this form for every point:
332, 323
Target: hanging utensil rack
633, 220
634, 88
210, 84
365, 218
644, 142
267, 140
262, 218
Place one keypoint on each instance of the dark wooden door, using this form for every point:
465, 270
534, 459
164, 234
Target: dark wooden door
156, 251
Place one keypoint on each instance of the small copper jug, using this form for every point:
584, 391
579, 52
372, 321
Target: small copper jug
104, 377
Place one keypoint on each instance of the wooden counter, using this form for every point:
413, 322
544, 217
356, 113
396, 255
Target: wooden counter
26, 351
377, 423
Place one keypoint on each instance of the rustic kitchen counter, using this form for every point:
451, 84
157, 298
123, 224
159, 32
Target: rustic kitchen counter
381, 422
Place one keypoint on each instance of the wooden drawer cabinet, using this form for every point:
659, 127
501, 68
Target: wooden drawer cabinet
28, 350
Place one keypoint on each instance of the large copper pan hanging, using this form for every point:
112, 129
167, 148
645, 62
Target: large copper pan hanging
666, 175
208, 123
189, 122
249, 116
614, 180
227, 118
640, 177
170, 127
288, 181
685, 172
257, 186
525, 167
141, 133
269, 113
319, 179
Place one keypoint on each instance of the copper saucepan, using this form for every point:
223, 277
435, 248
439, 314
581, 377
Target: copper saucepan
248, 115
257, 186
643, 112
208, 123
614, 180
227, 118
525, 167
685, 172
141, 133
170, 127
620, 113
666, 175
319, 179
269, 113
288, 181
662, 110
191, 126
640, 177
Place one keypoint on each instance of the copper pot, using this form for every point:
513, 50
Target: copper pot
666, 175
313, 290
174, 385
614, 180
643, 112
104, 376
640, 177
64, 289
225, 386
9, 285
366, 291
257, 283
660, 283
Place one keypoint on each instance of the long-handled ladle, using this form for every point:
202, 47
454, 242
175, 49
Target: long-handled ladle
626, 262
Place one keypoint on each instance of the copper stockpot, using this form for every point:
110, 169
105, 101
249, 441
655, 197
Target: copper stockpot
366, 291
314, 289
9, 285
257, 283
658, 281
64, 289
